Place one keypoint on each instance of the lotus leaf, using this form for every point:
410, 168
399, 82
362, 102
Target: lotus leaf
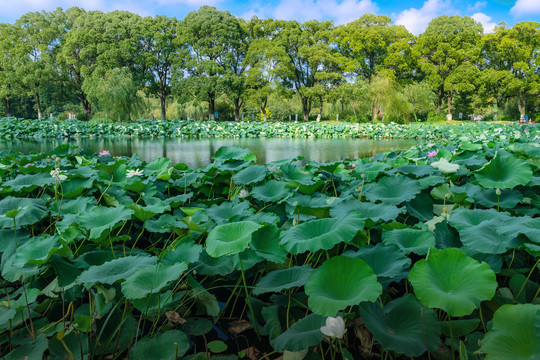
452, 281
504, 172
507, 200
29, 182
30, 211
402, 325
230, 238
515, 333
270, 191
301, 335
234, 153
114, 270
151, 279
392, 190
250, 175
445, 166
278, 280
321, 234
101, 218
165, 346
340, 282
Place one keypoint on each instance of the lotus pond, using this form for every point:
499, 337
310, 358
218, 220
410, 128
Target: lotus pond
431, 252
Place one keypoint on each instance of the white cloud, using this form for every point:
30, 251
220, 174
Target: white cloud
525, 7
479, 5
191, 3
341, 12
485, 20
417, 20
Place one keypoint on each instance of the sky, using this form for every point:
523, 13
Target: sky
413, 14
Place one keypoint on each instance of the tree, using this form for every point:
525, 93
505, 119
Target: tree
513, 55
448, 48
9, 35
160, 54
209, 36
36, 48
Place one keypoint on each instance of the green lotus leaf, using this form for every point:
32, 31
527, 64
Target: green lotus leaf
340, 282
30, 211
265, 242
249, 259
291, 172
301, 335
38, 249
29, 182
151, 279
165, 346
73, 206
157, 166
211, 266
227, 211
234, 153
452, 281
187, 252
465, 218
387, 262
515, 333
278, 280
153, 303
368, 210
197, 327
445, 166
145, 213
525, 225
101, 218
402, 325
202, 296
6, 314
507, 200
371, 170
176, 201
421, 207
321, 234
392, 190
164, 224
30, 351
409, 240
114, 270
230, 238
73, 188
270, 191
418, 171
504, 172
250, 175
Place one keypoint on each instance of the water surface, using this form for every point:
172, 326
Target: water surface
198, 153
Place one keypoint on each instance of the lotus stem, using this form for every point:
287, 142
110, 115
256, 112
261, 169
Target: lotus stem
451, 337
527, 279
255, 327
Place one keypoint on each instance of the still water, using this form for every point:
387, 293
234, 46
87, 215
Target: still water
198, 153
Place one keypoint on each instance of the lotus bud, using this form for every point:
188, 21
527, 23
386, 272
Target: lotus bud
294, 222
498, 192
335, 327
363, 176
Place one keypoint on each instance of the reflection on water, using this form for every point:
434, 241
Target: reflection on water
198, 153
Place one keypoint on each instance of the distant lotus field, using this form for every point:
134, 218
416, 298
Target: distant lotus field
432, 252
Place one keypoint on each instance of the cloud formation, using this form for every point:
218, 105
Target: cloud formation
417, 20
525, 7
343, 11
486, 21
477, 6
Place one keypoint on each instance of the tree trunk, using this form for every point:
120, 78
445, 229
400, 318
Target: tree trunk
521, 106
306, 107
263, 109
449, 116
440, 94
319, 115
162, 100
237, 105
211, 107
374, 111
7, 104
38, 105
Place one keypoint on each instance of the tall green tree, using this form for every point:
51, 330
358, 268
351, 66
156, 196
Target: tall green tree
9, 84
211, 38
449, 50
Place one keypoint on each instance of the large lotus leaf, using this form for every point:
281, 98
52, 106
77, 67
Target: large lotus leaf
339, 282
368, 210
416, 170
157, 165
250, 175
270, 191
429, 181
301, 335
265, 242
227, 211
507, 200
321, 234
187, 252
166, 346
445, 166
230, 238
30, 211
278, 280
421, 207
465, 218
165, 224
151, 279
29, 182
211, 266
145, 213
293, 173
452, 281
117, 269
176, 201
525, 225
202, 296
515, 333
410, 240
504, 172
392, 190
73, 188
102, 218
402, 325
234, 153
73, 206
387, 262
30, 351
371, 170
310, 205
38, 249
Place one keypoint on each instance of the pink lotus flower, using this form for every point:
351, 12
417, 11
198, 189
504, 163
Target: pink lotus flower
353, 165
104, 152
526, 131
29, 164
432, 154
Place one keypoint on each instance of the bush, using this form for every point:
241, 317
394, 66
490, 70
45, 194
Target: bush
82, 116
434, 116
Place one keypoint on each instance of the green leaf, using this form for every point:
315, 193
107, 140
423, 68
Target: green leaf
30, 211
402, 325
452, 281
100, 219
409, 240
278, 280
217, 346
504, 172
230, 238
250, 175
340, 282
200, 294
270, 191
165, 346
151, 279
515, 333
301, 335
30, 351
321, 234
392, 190
114, 270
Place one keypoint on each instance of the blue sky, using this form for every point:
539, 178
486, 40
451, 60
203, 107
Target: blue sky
413, 14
